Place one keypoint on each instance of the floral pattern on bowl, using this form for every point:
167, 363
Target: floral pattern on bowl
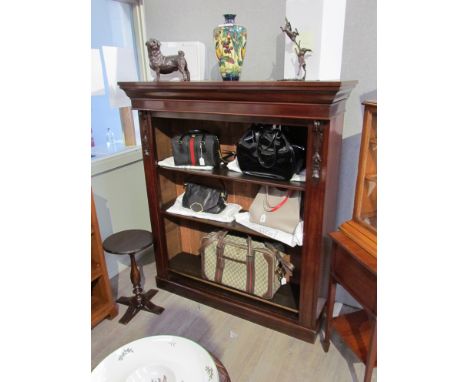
157, 359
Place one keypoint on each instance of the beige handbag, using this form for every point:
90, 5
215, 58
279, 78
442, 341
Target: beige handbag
275, 208
244, 264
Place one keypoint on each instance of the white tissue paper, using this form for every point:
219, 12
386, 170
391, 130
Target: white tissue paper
290, 239
169, 162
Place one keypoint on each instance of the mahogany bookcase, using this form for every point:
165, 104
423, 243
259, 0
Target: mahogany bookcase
228, 109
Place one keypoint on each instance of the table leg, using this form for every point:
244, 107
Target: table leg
140, 300
135, 279
148, 305
330, 302
329, 318
371, 355
129, 314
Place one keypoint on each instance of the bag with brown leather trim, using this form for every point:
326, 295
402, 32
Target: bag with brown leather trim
244, 264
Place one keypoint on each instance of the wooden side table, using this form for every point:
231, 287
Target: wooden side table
131, 242
356, 270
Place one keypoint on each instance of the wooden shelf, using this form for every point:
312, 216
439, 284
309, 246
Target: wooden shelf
286, 298
233, 226
225, 174
355, 329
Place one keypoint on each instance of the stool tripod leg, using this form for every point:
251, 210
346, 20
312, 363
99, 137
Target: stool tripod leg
129, 314
140, 301
125, 300
150, 294
135, 278
153, 308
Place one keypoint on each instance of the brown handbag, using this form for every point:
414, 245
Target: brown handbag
276, 208
243, 263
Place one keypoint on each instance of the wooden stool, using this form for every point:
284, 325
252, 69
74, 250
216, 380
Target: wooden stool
131, 242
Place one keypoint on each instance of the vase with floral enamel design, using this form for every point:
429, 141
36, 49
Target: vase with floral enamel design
230, 42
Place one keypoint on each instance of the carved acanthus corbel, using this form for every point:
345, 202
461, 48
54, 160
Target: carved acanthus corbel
316, 158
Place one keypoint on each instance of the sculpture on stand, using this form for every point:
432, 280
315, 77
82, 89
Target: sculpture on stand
300, 52
166, 64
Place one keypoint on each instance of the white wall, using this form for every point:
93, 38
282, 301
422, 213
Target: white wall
333, 22
306, 16
320, 24
359, 63
118, 184
359, 60
194, 20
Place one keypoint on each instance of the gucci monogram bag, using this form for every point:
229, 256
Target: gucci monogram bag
244, 264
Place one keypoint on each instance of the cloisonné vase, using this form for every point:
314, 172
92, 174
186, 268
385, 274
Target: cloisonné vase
230, 41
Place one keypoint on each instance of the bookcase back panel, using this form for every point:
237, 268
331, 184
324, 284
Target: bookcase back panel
184, 236
173, 238
169, 187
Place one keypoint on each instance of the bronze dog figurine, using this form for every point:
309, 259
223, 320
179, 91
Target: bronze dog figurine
166, 64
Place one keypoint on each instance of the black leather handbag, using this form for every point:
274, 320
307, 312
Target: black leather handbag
271, 151
196, 148
203, 199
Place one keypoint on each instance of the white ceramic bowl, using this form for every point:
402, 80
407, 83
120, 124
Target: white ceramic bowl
157, 359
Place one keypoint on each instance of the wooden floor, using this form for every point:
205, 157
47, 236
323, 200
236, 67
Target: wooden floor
250, 352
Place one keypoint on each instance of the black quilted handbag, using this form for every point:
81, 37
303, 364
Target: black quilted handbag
271, 151
203, 199
196, 148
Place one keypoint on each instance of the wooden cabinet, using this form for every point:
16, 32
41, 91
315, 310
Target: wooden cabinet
354, 256
228, 109
102, 304
363, 227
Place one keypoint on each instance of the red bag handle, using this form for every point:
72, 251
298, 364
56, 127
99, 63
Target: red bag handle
279, 205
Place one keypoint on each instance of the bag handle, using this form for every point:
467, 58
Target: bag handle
278, 133
229, 154
262, 162
191, 132
219, 255
279, 205
287, 266
223, 192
